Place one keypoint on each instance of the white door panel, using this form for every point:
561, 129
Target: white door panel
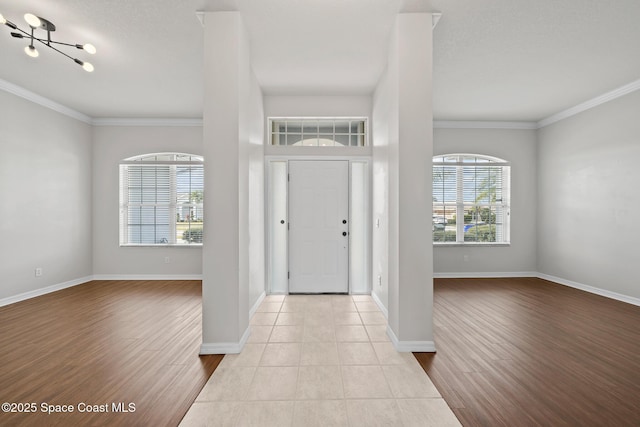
318, 210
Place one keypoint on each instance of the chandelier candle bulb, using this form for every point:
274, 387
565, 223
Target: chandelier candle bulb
31, 51
89, 48
32, 20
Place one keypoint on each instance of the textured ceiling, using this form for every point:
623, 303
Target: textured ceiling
503, 60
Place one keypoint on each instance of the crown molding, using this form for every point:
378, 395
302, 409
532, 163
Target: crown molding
146, 122
437, 124
465, 124
59, 108
592, 103
42, 101
200, 16
435, 18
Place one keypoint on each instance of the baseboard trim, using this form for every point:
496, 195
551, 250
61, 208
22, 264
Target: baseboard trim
257, 304
590, 289
43, 291
410, 346
147, 277
484, 274
381, 306
75, 282
225, 347
559, 280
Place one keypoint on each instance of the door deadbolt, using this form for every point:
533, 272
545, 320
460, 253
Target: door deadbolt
282, 221
344, 221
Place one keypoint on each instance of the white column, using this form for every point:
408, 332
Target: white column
225, 313
410, 303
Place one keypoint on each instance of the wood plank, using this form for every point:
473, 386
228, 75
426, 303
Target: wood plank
528, 352
105, 342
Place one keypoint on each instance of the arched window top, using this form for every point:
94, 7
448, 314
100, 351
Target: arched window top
468, 159
165, 157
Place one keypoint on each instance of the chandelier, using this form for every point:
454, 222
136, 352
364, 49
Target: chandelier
37, 23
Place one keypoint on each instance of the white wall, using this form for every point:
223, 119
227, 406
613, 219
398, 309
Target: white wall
519, 148
112, 144
588, 197
383, 121
317, 106
45, 193
257, 207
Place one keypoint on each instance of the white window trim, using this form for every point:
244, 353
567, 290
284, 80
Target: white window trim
270, 121
173, 207
506, 190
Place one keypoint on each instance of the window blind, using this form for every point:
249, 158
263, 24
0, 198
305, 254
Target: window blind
470, 199
161, 200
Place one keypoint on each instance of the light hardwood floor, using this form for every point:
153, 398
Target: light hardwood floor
104, 343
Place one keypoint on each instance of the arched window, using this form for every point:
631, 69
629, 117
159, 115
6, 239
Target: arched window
470, 199
161, 199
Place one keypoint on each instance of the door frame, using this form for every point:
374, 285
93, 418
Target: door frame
364, 284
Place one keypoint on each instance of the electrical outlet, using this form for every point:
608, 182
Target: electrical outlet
38, 271
167, 260
380, 281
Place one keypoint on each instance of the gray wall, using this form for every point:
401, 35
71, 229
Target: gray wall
519, 148
45, 197
588, 197
111, 145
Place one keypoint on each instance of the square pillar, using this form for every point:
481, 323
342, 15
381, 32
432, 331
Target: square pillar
410, 298
225, 288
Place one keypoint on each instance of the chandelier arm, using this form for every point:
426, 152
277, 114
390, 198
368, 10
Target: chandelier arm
44, 42
62, 43
21, 30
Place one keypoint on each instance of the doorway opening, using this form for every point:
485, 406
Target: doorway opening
318, 225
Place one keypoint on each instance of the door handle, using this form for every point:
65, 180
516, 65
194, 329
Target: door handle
344, 233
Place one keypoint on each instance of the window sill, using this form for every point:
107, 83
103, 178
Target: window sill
193, 245
466, 244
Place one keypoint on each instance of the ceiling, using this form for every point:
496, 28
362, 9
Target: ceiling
500, 60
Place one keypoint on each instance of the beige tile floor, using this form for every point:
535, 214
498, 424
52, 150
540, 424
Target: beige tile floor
319, 360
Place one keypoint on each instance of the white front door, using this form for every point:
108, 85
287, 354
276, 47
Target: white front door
318, 226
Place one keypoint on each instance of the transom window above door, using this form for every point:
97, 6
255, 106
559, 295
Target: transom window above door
318, 131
